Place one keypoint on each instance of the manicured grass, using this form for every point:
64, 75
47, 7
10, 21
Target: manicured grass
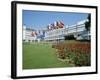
41, 55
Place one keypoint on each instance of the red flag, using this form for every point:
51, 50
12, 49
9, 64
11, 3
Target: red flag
61, 23
32, 33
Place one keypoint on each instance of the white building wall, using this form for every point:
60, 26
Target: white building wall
27, 35
57, 34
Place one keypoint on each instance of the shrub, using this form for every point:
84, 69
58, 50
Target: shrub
80, 59
70, 37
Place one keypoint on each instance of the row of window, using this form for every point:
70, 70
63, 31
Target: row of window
64, 31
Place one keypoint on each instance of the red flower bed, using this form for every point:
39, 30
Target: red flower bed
78, 52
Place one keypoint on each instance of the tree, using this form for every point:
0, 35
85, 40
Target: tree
88, 22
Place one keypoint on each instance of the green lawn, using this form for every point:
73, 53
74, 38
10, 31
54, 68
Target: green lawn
40, 55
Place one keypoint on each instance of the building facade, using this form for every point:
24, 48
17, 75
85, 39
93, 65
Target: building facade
29, 34
77, 30
57, 31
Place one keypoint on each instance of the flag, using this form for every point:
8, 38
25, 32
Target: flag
32, 34
61, 24
57, 23
36, 33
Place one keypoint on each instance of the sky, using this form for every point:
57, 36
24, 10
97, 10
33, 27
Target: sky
40, 19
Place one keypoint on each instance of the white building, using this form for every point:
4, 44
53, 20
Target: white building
77, 30
29, 34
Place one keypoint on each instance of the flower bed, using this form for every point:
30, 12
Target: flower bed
77, 53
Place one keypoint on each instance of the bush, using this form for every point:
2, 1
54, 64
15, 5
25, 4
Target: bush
70, 37
61, 53
80, 59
